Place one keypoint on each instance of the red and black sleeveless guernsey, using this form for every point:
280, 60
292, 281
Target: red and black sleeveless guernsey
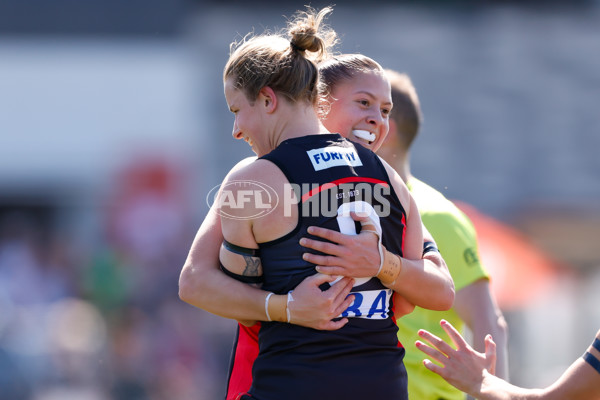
362, 360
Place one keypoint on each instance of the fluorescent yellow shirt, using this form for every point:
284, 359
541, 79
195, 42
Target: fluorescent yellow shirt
456, 239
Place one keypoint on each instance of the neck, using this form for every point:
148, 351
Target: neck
300, 121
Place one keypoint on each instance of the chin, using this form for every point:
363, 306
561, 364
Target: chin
375, 146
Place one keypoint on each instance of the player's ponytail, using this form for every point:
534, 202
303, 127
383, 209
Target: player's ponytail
286, 65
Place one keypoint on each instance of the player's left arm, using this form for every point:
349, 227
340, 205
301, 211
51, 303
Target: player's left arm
421, 277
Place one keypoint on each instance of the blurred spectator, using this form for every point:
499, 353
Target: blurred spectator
107, 324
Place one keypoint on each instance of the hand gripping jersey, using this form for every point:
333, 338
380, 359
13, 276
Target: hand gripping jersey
363, 359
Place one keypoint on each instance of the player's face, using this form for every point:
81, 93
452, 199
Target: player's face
247, 123
361, 103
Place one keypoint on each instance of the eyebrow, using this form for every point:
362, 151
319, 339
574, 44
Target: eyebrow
370, 95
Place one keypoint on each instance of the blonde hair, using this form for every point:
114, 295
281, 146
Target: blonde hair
284, 65
407, 110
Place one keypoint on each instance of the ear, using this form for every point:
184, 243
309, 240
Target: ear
268, 99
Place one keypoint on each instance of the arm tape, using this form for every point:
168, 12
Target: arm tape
241, 278
429, 247
243, 251
592, 360
596, 344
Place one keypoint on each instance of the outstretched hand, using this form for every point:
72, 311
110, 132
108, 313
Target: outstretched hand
463, 367
315, 308
349, 255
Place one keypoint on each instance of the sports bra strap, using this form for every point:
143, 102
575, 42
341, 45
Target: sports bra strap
243, 251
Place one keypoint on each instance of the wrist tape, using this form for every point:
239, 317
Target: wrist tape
390, 268
290, 298
276, 307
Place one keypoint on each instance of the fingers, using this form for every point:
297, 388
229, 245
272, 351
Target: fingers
366, 222
454, 335
433, 367
331, 235
339, 295
341, 288
323, 247
435, 341
334, 325
348, 300
490, 345
342, 296
361, 217
431, 352
319, 279
332, 259
329, 261
339, 298
490, 354
369, 228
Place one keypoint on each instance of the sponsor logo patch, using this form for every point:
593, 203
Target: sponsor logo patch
333, 156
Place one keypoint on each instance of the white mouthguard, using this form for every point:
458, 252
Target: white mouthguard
366, 135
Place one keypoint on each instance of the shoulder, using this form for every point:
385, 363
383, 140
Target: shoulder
242, 164
251, 168
252, 186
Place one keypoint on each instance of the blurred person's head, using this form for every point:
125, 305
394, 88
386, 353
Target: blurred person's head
355, 99
270, 79
405, 119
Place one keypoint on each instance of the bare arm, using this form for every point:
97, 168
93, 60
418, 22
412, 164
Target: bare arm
424, 280
475, 305
203, 285
579, 382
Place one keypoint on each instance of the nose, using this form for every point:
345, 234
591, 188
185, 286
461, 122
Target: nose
237, 134
375, 119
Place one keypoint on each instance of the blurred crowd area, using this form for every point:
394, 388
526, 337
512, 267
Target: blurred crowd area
103, 320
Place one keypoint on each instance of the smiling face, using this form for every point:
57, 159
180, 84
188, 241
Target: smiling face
248, 118
361, 104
